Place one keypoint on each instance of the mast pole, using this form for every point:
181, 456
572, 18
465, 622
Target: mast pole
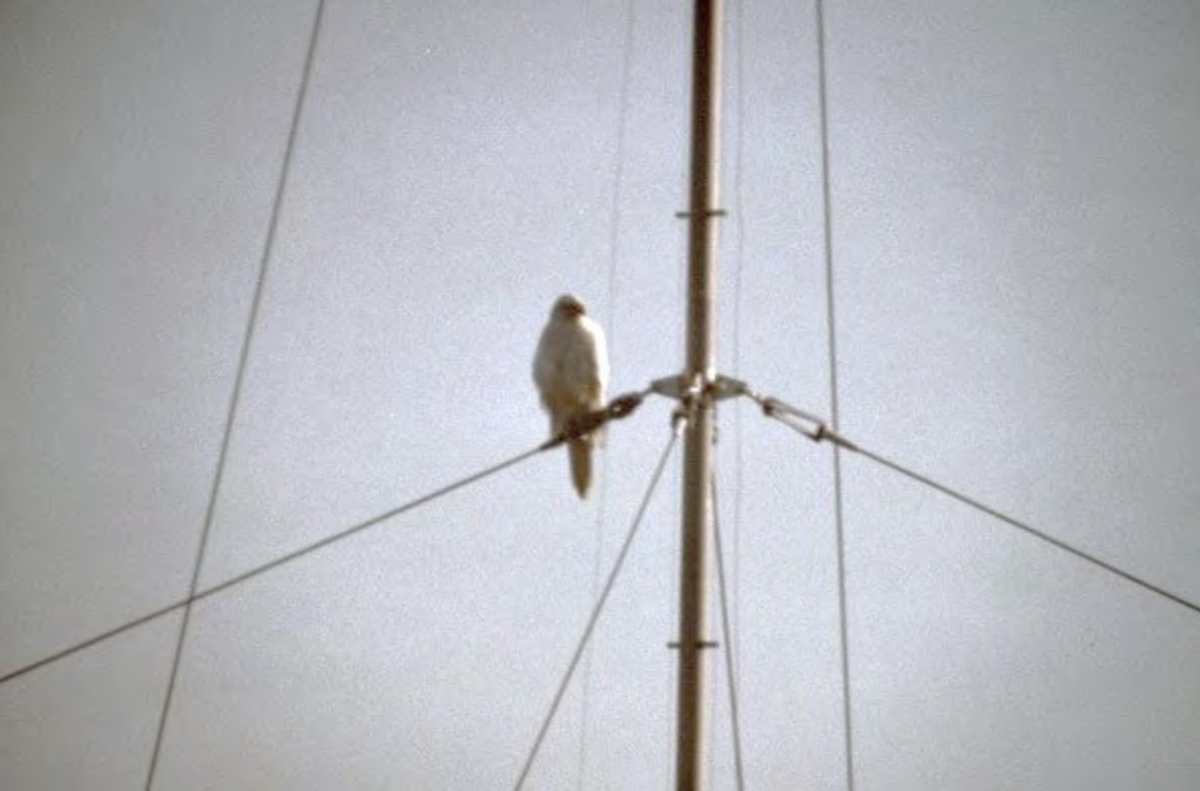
699, 375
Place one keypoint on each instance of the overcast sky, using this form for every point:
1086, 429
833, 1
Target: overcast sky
1016, 270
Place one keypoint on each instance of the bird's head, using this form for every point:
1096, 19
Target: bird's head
568, 307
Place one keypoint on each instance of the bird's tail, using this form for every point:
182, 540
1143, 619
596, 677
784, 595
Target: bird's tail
580, 451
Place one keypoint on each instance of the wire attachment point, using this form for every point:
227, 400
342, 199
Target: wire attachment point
681, 388
620, 407
800, 421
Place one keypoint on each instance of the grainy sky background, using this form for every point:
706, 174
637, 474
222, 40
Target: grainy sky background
1016, 264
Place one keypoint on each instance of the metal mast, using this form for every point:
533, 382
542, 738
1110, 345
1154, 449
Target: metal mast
699, 376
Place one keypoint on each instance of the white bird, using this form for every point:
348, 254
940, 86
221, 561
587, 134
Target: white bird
571, 373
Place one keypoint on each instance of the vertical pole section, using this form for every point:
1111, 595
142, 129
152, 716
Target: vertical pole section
700, 372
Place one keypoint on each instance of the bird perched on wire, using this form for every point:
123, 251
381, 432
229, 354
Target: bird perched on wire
570, 369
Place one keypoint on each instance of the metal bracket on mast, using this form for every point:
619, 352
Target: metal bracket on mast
725, 387
679, 387
687, 391
683, 215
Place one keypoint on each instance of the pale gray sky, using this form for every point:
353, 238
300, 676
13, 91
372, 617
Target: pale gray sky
1016, 262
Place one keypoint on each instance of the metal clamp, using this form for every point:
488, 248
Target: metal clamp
683, 215
702, 645
683, 389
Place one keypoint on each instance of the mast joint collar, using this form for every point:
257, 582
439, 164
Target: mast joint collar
689, 389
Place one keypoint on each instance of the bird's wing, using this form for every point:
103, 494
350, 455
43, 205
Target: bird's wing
570, 369
596, 363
